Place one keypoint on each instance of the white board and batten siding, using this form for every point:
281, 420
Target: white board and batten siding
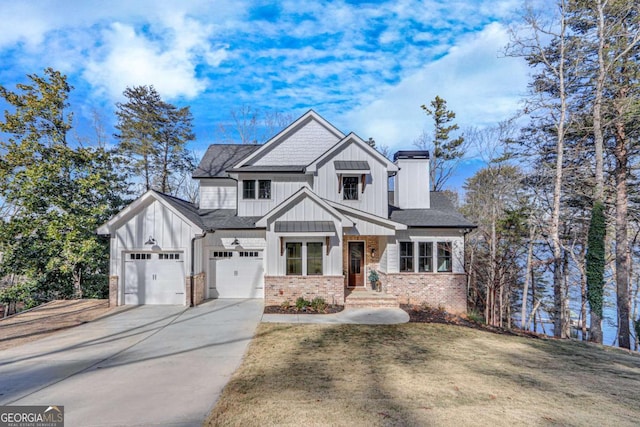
390, 258
282, 187
218, 193
305, 210
170, 231
374, 198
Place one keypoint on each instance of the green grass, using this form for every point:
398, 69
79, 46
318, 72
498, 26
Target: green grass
426, 374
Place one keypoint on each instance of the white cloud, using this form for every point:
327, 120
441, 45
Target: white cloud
169, 62
479, 85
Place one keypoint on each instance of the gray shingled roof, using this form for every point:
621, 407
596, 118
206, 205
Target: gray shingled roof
351, 165
227, 219
221, 157
269, 168
442, 214
211, 219
305, 227
187, 209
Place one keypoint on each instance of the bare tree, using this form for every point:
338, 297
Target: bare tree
550, 96
250, 125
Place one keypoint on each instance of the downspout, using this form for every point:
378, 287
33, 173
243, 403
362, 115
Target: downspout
464, 259
192, 303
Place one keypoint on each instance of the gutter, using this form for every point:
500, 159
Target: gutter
192, 303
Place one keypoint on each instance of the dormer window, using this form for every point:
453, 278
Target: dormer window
350, 187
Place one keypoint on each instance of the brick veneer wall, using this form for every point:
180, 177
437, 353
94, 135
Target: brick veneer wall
447, 290
199, 288
278, 289
113, 291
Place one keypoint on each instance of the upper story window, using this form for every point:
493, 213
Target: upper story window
350, 187
264, 189
248, 189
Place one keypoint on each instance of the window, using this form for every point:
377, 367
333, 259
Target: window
314, 259
139, 256
444, 256
264, 189
251, 254
222, 254
425, 256
248, 189
350, 187
172, 256
406, 256
294, 259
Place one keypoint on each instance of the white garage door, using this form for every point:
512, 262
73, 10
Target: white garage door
236, 274
154, 278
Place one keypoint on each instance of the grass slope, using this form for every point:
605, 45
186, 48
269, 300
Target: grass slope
426, 374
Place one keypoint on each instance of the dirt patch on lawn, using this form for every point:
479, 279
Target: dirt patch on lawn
47, 319
425, 374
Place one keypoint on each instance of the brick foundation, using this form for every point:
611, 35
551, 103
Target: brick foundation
278, 289
113, 291
446, 290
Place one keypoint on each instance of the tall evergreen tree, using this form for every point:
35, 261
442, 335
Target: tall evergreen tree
59, 194
153, 135
445, 152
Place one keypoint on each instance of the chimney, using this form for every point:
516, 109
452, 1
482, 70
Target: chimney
412, 180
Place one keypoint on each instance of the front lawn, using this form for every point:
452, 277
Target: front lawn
426, 374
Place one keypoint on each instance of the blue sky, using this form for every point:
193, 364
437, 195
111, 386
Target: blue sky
366, 66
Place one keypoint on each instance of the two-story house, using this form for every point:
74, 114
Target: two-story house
309, 213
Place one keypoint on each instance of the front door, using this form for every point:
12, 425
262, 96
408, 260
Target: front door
356, 264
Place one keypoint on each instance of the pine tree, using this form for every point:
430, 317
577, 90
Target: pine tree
153, 135
445, 152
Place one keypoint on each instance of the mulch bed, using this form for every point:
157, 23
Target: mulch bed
276, 309
421, 314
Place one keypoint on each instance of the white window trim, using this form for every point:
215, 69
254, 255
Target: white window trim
434, 255
304, 242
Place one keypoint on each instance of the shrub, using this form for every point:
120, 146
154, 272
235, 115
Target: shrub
302, 303
286, 305
318, 304
475, 316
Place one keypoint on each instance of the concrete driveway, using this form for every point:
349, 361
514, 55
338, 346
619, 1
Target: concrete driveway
146, 365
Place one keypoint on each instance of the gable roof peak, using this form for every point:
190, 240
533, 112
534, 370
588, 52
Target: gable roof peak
288, 131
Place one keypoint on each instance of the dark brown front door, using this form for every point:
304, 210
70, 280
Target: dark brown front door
356, 264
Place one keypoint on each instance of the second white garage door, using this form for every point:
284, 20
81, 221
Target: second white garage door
236, 274
154, 278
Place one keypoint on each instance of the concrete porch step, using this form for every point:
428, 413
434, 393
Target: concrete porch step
369, 299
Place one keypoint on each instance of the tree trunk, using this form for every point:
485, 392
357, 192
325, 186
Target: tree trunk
77, 284
527, 280
622, 242
558, 294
